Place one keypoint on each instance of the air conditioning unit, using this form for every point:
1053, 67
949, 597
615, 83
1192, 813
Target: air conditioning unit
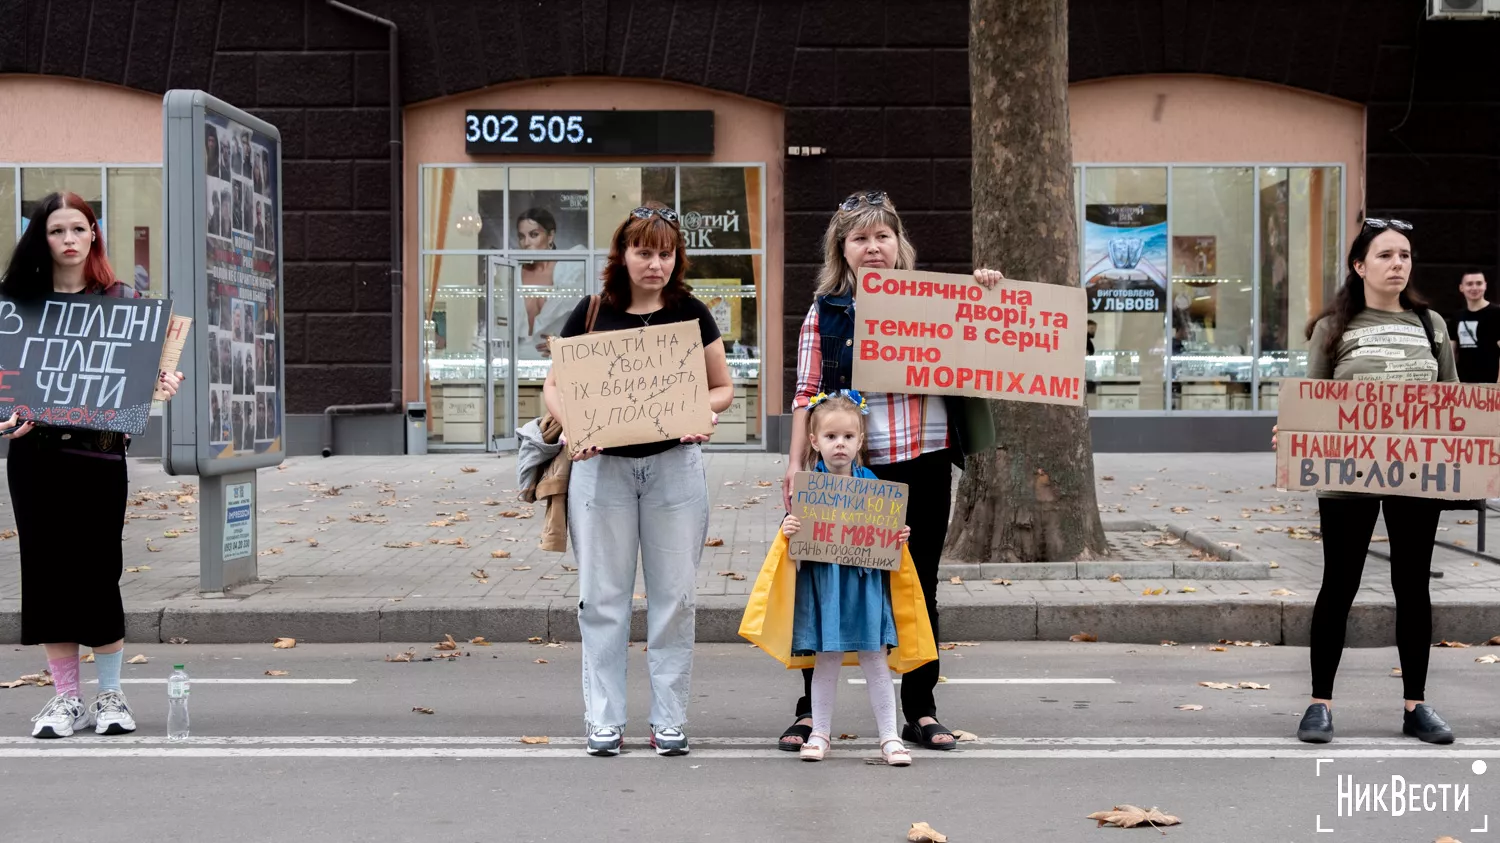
1462, 9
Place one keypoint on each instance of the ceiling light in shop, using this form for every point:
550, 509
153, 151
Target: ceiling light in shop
468, 225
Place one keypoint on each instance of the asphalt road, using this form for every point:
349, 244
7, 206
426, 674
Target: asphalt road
333, 751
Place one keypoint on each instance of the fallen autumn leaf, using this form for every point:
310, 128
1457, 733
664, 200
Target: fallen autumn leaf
138, 659
1129, 816
535, 740
277, 673
924, 833
285, 643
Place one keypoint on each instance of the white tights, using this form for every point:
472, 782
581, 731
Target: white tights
825, 685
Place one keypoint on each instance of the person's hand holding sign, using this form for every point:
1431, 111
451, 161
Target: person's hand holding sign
699, 438
988, 278
170, 381
14, 428
790, 526
905, 535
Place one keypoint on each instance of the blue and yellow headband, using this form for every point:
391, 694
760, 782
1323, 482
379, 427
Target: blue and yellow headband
852, 394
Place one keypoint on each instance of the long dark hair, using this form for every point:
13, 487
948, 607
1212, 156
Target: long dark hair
30, 272
653, 232
1350, 300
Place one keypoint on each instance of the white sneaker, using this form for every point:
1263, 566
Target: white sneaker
111, 714
59, 718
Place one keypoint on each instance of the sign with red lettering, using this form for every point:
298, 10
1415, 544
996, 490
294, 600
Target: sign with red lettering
1428, 440
632, 387
935, 334
848, 520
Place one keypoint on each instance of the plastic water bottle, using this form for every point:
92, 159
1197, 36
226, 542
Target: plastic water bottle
177, 704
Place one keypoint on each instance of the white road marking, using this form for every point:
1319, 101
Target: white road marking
77, 750
1013, 680
754, 742
255, 681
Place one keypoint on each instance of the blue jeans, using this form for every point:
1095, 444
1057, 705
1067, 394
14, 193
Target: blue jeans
654, 509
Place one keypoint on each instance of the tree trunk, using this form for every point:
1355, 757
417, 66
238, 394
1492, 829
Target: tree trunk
1033, 499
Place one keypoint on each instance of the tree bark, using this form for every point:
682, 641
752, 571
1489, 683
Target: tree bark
1033, 499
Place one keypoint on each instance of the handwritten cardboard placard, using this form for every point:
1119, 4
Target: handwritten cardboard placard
1429, 440
848, 520
937, 334
171, 350
631, 387
81, 361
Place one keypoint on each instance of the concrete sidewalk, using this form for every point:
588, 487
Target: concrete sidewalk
335, 567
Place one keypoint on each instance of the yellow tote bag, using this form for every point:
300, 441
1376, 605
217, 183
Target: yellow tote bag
767, 622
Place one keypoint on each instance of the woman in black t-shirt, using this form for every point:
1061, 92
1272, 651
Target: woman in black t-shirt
647, 501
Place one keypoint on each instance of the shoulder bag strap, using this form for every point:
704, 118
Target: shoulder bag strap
588, 325
1425, 317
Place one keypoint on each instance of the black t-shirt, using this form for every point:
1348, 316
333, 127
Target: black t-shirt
613, 319
1475, 336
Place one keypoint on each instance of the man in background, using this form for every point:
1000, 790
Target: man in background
1475, 331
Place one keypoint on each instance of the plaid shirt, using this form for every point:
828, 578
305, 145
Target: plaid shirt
898, 428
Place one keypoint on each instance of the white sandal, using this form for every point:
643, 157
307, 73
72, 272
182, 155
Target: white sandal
898, 757
811, 751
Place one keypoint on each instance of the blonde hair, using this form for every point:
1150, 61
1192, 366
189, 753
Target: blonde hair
836, 278
836, 402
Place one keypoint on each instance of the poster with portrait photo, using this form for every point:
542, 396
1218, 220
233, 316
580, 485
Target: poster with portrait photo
268, 243
226, 359
226, 432
237, 208
555, 219
260, 416
215, 415
211, 151
260, 361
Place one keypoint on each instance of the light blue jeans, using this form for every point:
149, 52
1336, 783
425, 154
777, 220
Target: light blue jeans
619, 510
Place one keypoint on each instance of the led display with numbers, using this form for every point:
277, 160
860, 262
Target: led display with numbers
491, 132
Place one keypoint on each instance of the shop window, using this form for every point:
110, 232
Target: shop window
462, 204
38, 182
1213, 287
135, 238
9, 227
620, 190
1124, 245
721, 207
1300, 261
730, 286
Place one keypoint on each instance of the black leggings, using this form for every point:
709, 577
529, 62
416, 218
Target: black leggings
930, 477
1348, 524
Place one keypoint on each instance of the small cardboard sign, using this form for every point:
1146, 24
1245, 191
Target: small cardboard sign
632, 387
936, 334
848, 520
171, 350
1427, 440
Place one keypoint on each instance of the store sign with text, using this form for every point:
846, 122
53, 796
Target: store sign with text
1429, 440
936, 334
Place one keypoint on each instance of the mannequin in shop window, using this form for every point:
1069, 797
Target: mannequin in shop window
543, 316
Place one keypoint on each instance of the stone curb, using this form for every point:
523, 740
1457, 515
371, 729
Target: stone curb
1185, 619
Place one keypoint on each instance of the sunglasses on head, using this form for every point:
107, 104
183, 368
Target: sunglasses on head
644, 213
874, 197
1399, 225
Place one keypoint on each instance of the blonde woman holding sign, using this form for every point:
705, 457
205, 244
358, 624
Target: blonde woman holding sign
68, 488
1376, 311
647, 501
911, 439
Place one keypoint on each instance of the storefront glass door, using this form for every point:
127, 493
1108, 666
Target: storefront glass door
500, 374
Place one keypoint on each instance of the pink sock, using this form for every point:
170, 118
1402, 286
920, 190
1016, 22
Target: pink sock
65, 675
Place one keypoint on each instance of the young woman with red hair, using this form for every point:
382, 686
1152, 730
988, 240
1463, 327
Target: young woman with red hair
647, 502
62, 252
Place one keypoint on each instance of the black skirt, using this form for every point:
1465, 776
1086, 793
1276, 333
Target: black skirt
69, 499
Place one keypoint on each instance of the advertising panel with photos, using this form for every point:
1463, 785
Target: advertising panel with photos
244, 330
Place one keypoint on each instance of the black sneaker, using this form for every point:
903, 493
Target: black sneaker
1424, 724
605, 741
1316, 725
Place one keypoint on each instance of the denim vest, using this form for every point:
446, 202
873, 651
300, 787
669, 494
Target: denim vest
836, 333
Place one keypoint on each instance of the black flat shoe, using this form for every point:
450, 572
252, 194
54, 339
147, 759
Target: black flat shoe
923, 735
1316, 725
1424, 724
797, 730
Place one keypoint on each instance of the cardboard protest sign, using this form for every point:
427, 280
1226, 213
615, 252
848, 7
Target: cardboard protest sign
1429, 440
936, 334
848, 520
632, 387
171, 351
81, 361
